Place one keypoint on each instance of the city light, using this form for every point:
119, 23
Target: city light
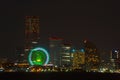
38, 56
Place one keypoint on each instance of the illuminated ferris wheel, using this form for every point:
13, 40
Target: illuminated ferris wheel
38, 56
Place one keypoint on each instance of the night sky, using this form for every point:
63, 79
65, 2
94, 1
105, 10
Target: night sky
97, 21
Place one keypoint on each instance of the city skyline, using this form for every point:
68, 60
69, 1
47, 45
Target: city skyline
70, 20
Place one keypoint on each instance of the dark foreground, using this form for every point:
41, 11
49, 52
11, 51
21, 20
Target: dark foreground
59, 76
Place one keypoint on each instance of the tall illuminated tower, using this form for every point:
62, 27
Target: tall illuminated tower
91, 56
55, 45
66, 55
79, 59
32, 24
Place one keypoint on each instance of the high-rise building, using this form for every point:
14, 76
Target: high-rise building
91, 56
115, 58
115, 54
78, 59
55, 45
32, 25
66, 55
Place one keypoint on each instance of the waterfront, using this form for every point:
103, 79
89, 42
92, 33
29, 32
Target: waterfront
58, 76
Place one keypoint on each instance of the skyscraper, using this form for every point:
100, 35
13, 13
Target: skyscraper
91, 56
55, 50
32, 25
115, 58
78, 59
66, 55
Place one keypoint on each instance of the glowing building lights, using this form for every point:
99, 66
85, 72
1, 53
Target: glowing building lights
38, 56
